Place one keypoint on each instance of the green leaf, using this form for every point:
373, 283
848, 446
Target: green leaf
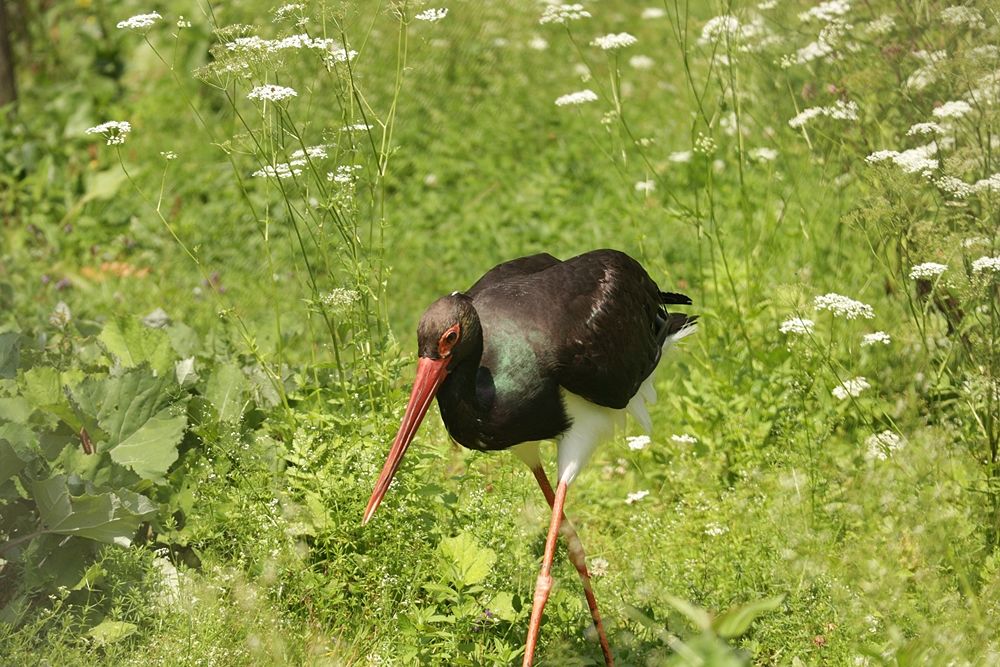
698, 616
109, 632
225, 391
10, 354
737, 620
10, 462
502, 606
16, 409
111, 517
123, 404
133, 343
151, 450
467, 562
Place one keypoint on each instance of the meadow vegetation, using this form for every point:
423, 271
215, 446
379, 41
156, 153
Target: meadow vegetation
222, 220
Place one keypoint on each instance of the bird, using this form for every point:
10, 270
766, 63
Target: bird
542, 349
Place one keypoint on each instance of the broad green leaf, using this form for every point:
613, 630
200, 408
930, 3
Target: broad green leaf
737, 620
502, 606
16, 409
150, 451
133, 343
10, 354
111, 517
225, 390
698, 616
109, 632
469, 563
42, 386
123, 404
103, 184
10, 462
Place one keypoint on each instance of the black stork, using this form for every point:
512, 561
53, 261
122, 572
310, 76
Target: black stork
542, 349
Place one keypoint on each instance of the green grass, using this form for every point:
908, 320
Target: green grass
258, 497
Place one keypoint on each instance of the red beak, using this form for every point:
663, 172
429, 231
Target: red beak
430, 374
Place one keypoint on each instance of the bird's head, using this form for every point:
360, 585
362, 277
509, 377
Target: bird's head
449, 332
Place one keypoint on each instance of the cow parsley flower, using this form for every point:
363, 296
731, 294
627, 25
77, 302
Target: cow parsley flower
684, 439
281, 169
910, 161
345, 174
826, 11
139, 21
797, 325
288, 9
763, 154
882, 445
637, 442
719, 28
340, 298
579, 97
955, 187
875, 338
612, 41
843, 306
651, 13
432, 15
271, 93
635, 497
988, 183
850, 388
715, 530
680, 156
986, 265
646, 186
953, 109
924, 128
641, 62
563, 13
115, 131
927, 271
840, 110
963, 15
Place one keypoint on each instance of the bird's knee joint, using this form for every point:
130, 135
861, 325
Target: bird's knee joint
543, 585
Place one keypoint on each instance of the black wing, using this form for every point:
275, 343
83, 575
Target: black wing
504, 272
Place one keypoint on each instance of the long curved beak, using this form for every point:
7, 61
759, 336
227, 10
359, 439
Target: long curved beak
430, 374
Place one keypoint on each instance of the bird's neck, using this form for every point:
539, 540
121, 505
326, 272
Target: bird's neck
461, 408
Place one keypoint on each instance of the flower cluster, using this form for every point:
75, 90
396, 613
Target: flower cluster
271, 93
139, 21
986, 265
882, 445
612, 41
826, 11
875, 338
910, 161
638, 442
115, 131
563, 13
635, 497
579, 97
927, 271
843, 306
432, 15
684, 439
340, 298
960, 15
840, 110
797, 325
851, 388
953, 109
345, 174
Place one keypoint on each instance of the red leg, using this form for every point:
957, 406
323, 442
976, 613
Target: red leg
578, 558
543, 586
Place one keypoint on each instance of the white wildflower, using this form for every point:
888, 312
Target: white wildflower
719, 28
812, 51
840, 110
579, 97
875, 338
843, 306
345, 174
924, 128
357, 127
850, 388
563, 13
826, 11
651, 13
910, 161
637, 442
704, 144
986, 265
763, 154
680, 156
767, 4
955, 187
641, 62
60, 315
927, 271
115, 131
797, 325
183, 22
432, 15
882, 445
598, 567
312, 152
340, 298
715, 530
953, 109
882, 25
271, 93
281, 169
635, 497
537, 43
288, 9
989, 183
646, 186
684, 439
963, 15
613, 41
139, 21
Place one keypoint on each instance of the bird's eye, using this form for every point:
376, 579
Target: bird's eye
451, 337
